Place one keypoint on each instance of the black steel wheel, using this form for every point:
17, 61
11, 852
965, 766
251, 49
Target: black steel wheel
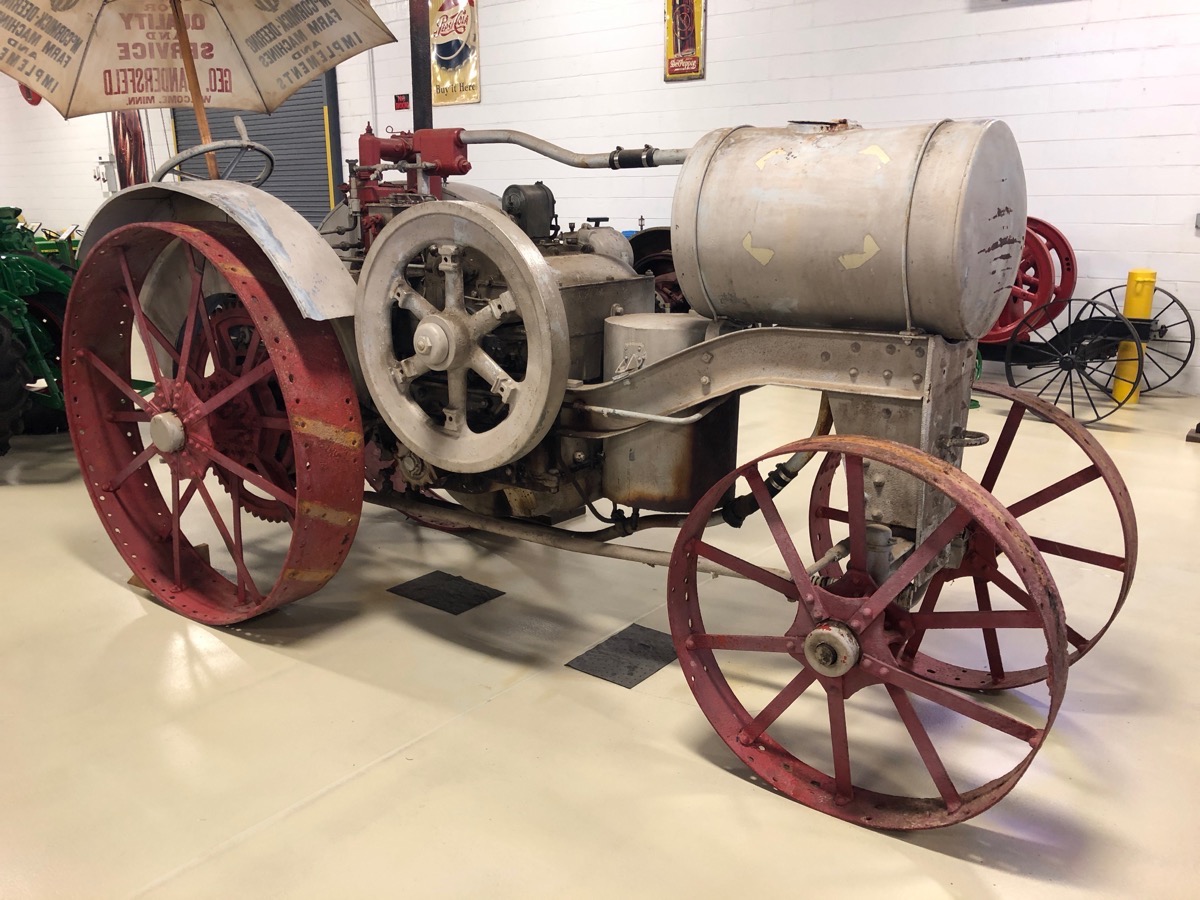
1168, 336
1088, 366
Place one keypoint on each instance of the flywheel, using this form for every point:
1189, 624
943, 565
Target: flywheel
462, 335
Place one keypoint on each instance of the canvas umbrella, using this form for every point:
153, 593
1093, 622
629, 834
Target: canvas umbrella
87, 56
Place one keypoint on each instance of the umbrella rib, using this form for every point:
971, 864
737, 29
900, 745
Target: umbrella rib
87, 49
249, 71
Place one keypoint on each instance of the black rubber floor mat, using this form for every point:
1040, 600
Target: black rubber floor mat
627, 658
449, 593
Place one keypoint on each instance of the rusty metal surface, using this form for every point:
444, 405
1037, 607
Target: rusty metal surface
320, 286
869, 621
877, 229
319, 494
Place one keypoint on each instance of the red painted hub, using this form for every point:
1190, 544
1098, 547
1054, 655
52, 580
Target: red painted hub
758, 685
249, 396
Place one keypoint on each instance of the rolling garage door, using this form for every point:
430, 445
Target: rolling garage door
295, 133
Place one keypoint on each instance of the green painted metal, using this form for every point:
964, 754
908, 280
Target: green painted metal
32, 266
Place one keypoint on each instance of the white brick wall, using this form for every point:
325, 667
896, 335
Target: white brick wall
47, 163
1104, 96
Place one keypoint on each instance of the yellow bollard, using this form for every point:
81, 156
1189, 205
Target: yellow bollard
1139, 302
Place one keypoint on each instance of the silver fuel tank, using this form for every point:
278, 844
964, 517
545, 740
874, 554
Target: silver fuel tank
878, 229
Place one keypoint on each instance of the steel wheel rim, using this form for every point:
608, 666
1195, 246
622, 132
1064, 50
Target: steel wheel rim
1064, 256
144, 520
748, 734
1162, 366
1084, 385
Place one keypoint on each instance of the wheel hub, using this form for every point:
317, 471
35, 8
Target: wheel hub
167, 432
434, 341
831, 649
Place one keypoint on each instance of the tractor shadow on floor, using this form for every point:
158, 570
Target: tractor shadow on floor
39, 459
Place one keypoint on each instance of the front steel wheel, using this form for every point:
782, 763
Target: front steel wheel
888, 745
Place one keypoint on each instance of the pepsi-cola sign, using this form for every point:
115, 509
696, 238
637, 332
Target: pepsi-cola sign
454, 51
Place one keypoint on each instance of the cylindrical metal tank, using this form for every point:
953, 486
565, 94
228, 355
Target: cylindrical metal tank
845, 227
657, 466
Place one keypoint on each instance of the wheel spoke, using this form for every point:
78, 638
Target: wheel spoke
223, 396
990, 645
1016, 415
129, 415
134, 464
928, 603
489, 318
747, 569
117, 381
452, 270
1081, 554
929, 756
235, 495
414, 303
783, 540
763, 643
843, 784
953, 701
1051, 493
986, 619
457, 382
189, 328
917, 559
753, 730
856, 512
145, 327
253, 478
235, 549
502, 385
1035, 378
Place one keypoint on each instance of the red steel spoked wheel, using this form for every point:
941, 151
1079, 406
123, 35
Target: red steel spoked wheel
1062, 255
1032, 290
154, 461
1078, 512
887, 746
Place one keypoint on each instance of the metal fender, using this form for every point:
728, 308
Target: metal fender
318, 282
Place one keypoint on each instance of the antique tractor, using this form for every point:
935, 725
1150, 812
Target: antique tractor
483, 368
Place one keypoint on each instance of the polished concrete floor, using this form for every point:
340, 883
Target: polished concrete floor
357, 744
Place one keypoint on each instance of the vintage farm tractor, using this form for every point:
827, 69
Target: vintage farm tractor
441, 342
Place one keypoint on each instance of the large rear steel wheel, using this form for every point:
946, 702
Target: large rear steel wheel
250, 376
888, 745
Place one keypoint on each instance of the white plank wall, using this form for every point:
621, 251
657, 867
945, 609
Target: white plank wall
1104, 96
47, 164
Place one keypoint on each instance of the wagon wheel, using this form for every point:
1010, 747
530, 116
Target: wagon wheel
1063, 256
158, 498
1170, 335
1089, 490
1077, 365
753, 650
1029, 302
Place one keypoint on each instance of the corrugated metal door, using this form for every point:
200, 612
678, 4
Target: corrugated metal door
296, 135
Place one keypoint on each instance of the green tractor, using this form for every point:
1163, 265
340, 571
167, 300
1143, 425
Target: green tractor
35, 279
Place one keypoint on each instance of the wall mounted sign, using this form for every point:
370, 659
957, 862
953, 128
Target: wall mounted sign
685, 28
454, 51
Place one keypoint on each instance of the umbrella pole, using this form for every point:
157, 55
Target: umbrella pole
193, 80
